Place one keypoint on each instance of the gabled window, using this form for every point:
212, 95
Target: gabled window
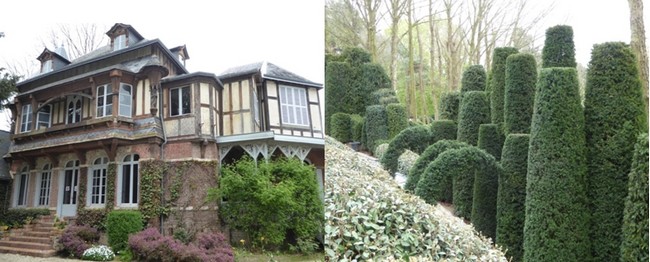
43, 117
26, 118
47, 66
125, 100
73, 109
44, 190
293, 101
179, 101
104, 100
128, 181
119, 42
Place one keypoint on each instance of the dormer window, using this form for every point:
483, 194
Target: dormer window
47, 66
119, 42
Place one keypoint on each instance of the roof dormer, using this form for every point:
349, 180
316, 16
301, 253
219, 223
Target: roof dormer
51, 60
181, 53
122, 36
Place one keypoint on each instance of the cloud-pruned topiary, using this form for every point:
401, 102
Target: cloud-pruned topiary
473, 79
557, 218
512, 195
429, 155
490, 139
498, 82
341, 127
474, 111
559, 49
635, 220
521, 75
415, 138
376, 125
614, 116
449, 106
397, 119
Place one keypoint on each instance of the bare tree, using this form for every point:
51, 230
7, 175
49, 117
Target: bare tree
343, 26
77, 39
638, 44
369, 11
395, 11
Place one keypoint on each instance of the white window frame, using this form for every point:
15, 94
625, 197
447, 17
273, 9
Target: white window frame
45, 110
23, 176
256, 108
97, 173
106, 98
294, 106
44, 185
180, 101
73, 100
47, 66
125, 100
132, 165
119, 42
26, 118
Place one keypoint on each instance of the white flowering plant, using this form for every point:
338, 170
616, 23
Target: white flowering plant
98, 253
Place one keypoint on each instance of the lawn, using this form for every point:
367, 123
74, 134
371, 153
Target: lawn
247, 256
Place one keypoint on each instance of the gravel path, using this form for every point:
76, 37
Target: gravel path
19, 258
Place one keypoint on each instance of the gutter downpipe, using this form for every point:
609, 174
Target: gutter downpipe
162, 156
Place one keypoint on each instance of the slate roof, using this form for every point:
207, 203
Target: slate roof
5, 141
269, 71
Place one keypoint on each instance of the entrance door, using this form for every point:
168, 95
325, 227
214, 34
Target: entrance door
70, 187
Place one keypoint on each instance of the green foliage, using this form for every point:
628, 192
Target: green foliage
559, 49
380, 150
357, 127
416, 139
443, 130
5, 195
474, 111
341, 127
557, 218
406, 161
484, 199
151, 173
338, 80
17, 217
511, 198
119, 225
429, 155
111, 174
397, 119
490, 139
449, 106
614, 116
7, 87
356, 56
376, 125
634, 246
95, 218
268, 199
373, 78
521, 75
473, 79
498, 82
382, 95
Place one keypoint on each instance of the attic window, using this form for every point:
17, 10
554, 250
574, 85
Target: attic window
47, 66
119, 42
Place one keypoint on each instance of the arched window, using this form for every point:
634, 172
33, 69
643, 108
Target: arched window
73, 109
128, 181
104, 100
97, 182
44, 190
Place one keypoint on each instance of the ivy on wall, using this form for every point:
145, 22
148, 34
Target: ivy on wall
110, 183
83, 181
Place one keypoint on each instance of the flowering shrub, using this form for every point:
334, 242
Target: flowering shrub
150, 245
76, 239
98, 253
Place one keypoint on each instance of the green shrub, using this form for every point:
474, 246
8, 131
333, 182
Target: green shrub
397, 119
498, 82
341, 127
376, 125
490, 139
384, 101
511, 198
338, 80
269, 199
443, 130
380, 150
415, 138
357, 127
17, 217
559, 49
95, 218
614, 116
635, 219
556, 213
449, 106
473, 79
474, 111
521, 75
119, 225
484, 199
383, 93
429, 155
406, 161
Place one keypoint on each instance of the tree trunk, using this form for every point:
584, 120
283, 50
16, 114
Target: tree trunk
638, 44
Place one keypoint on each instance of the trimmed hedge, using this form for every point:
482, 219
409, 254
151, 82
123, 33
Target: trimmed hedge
559, 49
614, 116
397, 119
443, 130
484, 199
498, 82
337, 80
416, 139
357, 127
341, 127
376, 125
429, 155
16, 217
473, 79
511, 198
556, 212
635, 219
119, 225
521, 75
490, 139
474, 111
383, 93
449, 106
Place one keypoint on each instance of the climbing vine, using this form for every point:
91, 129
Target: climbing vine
110, 183
151, 173
83, 181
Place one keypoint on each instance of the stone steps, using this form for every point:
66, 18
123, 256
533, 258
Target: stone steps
33, 240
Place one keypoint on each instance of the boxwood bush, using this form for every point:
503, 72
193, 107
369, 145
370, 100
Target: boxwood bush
614, 116
119, 225
635, 219
498, 82
385, 94
484, 199
490, 139
474, 111
341, 127
376, 125
415, 138
511, 198
557, 218
449, 106
429, 155
559, 49
473, 79
338, 80
443, 130
406, 161
521, 76
397, 119
357, 127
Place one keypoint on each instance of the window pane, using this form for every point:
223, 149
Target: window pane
126, 183
135, 184
125, 100
186, 100
22, 194
174, 101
